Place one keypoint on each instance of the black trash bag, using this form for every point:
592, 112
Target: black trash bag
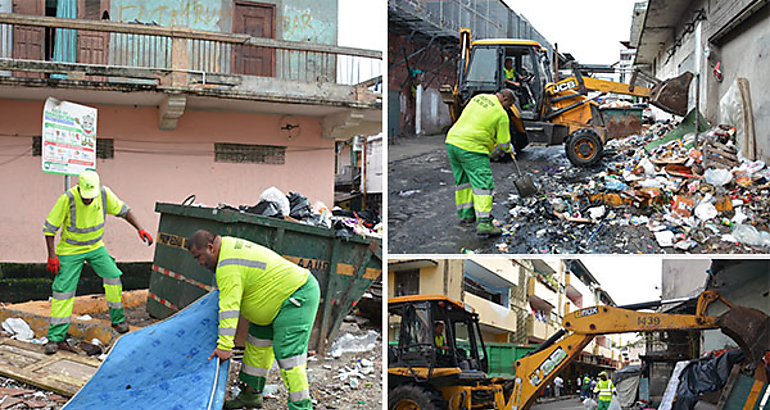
703, 376
265, 208
343, 231
299, 206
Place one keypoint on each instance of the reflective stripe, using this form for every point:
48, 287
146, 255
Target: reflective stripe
482, 191
256, 342
123, 211
104, 204
73, 226
254, 371
291, 362
226, 331
83, 243
482, 215
60, 320
115, 305
504, 146
242, 262
299, 395
463, 186
466, 205
86, 230
112, 281
229, 314
63, 295
50, 228
73, 214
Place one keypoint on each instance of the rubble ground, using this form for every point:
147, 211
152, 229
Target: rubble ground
620, 205
18, 395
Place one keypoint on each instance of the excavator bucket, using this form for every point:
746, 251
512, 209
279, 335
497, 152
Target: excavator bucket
749, 328
672, 95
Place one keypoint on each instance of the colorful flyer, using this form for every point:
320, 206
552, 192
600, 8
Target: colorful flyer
69, 137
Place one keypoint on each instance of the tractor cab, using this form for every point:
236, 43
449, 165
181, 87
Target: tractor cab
437, 337
494, 64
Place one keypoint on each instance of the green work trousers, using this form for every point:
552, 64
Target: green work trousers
286, 340
65, 285
603, 405
473, 183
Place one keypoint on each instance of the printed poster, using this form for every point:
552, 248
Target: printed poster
69, 137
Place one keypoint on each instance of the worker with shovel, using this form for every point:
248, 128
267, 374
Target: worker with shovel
278, 298
482, 125
81, 212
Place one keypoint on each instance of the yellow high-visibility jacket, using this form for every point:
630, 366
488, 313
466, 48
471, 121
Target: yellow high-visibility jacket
253, 281
482, 124
605, 389
82, 225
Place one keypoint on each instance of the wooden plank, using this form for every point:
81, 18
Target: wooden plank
750, 148
64, 372
182, 32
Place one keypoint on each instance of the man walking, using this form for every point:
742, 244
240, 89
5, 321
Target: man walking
558, 383
605, 389
280, 301
81, 212
483, 124
586, 386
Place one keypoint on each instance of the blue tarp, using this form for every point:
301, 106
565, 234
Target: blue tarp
163, 366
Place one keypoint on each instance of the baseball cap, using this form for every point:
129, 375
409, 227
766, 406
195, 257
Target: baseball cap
88, 182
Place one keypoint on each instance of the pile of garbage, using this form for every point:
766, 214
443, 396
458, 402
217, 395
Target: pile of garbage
691, 194
17, 395
273, 203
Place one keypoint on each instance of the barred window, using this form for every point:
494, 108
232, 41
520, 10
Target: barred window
105, 148
247, 153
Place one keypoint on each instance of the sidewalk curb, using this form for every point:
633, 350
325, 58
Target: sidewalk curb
560, 398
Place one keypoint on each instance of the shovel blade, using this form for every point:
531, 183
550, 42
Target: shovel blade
749, 328
525, 185
672, 95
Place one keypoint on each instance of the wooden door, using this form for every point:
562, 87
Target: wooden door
29, 42
93, 46
256, 20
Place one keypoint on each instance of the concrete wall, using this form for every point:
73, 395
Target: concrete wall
313, 21
683, 277
744, 53
152, 165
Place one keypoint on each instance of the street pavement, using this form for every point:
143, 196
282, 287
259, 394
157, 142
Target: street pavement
568, 404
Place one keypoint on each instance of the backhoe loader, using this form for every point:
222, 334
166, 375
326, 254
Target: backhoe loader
424, 376
546, 111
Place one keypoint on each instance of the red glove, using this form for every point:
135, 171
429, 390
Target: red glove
145, 236
53, 265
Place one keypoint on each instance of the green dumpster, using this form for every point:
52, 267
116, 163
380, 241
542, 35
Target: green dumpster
345, 268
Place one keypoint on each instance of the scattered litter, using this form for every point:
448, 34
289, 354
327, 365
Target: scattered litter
664, 238
349, 343
408, 193
84, 318
19, 329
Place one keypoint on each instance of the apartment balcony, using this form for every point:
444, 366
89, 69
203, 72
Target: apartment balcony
102, 62
491, 314
541, 296
541, 330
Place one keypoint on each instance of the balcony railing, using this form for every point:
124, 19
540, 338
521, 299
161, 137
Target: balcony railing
109, 49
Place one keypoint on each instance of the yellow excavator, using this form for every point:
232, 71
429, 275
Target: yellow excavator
548, 111
423, 375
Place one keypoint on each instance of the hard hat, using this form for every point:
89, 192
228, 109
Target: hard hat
602, 373
88, 183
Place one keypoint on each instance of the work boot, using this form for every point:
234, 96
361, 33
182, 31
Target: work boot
246, 399
467, 221
486, 228
121, 327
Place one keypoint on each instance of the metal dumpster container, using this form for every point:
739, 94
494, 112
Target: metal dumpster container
345, 268
622, 122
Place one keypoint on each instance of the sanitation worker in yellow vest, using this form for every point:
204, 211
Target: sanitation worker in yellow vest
606, 389
278, 298
81, 212
482, 125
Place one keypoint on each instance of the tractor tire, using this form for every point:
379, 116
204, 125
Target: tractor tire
414, 397
584, 147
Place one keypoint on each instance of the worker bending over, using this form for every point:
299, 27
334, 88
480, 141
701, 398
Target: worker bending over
81, 212
278, 298
482, 125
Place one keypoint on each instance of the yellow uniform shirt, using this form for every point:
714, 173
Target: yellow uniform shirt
482, 124
82, 225
510, 74
253, 281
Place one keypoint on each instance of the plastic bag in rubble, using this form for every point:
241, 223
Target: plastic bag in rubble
275, 195
324, 214
749, 235
349, 343
649, 168
19, 329
300, 206
589, 404
717, 176
705, 211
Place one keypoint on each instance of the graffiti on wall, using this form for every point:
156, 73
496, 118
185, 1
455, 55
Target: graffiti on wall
308, 25
196, 14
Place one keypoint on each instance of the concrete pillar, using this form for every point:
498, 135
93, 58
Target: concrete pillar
418, 111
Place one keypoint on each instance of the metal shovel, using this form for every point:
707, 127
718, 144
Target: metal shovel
524, 183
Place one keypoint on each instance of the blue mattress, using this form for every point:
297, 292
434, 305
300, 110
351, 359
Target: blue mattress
163, 366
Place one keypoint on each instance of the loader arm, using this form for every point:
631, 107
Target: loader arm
537, 370
595, 84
